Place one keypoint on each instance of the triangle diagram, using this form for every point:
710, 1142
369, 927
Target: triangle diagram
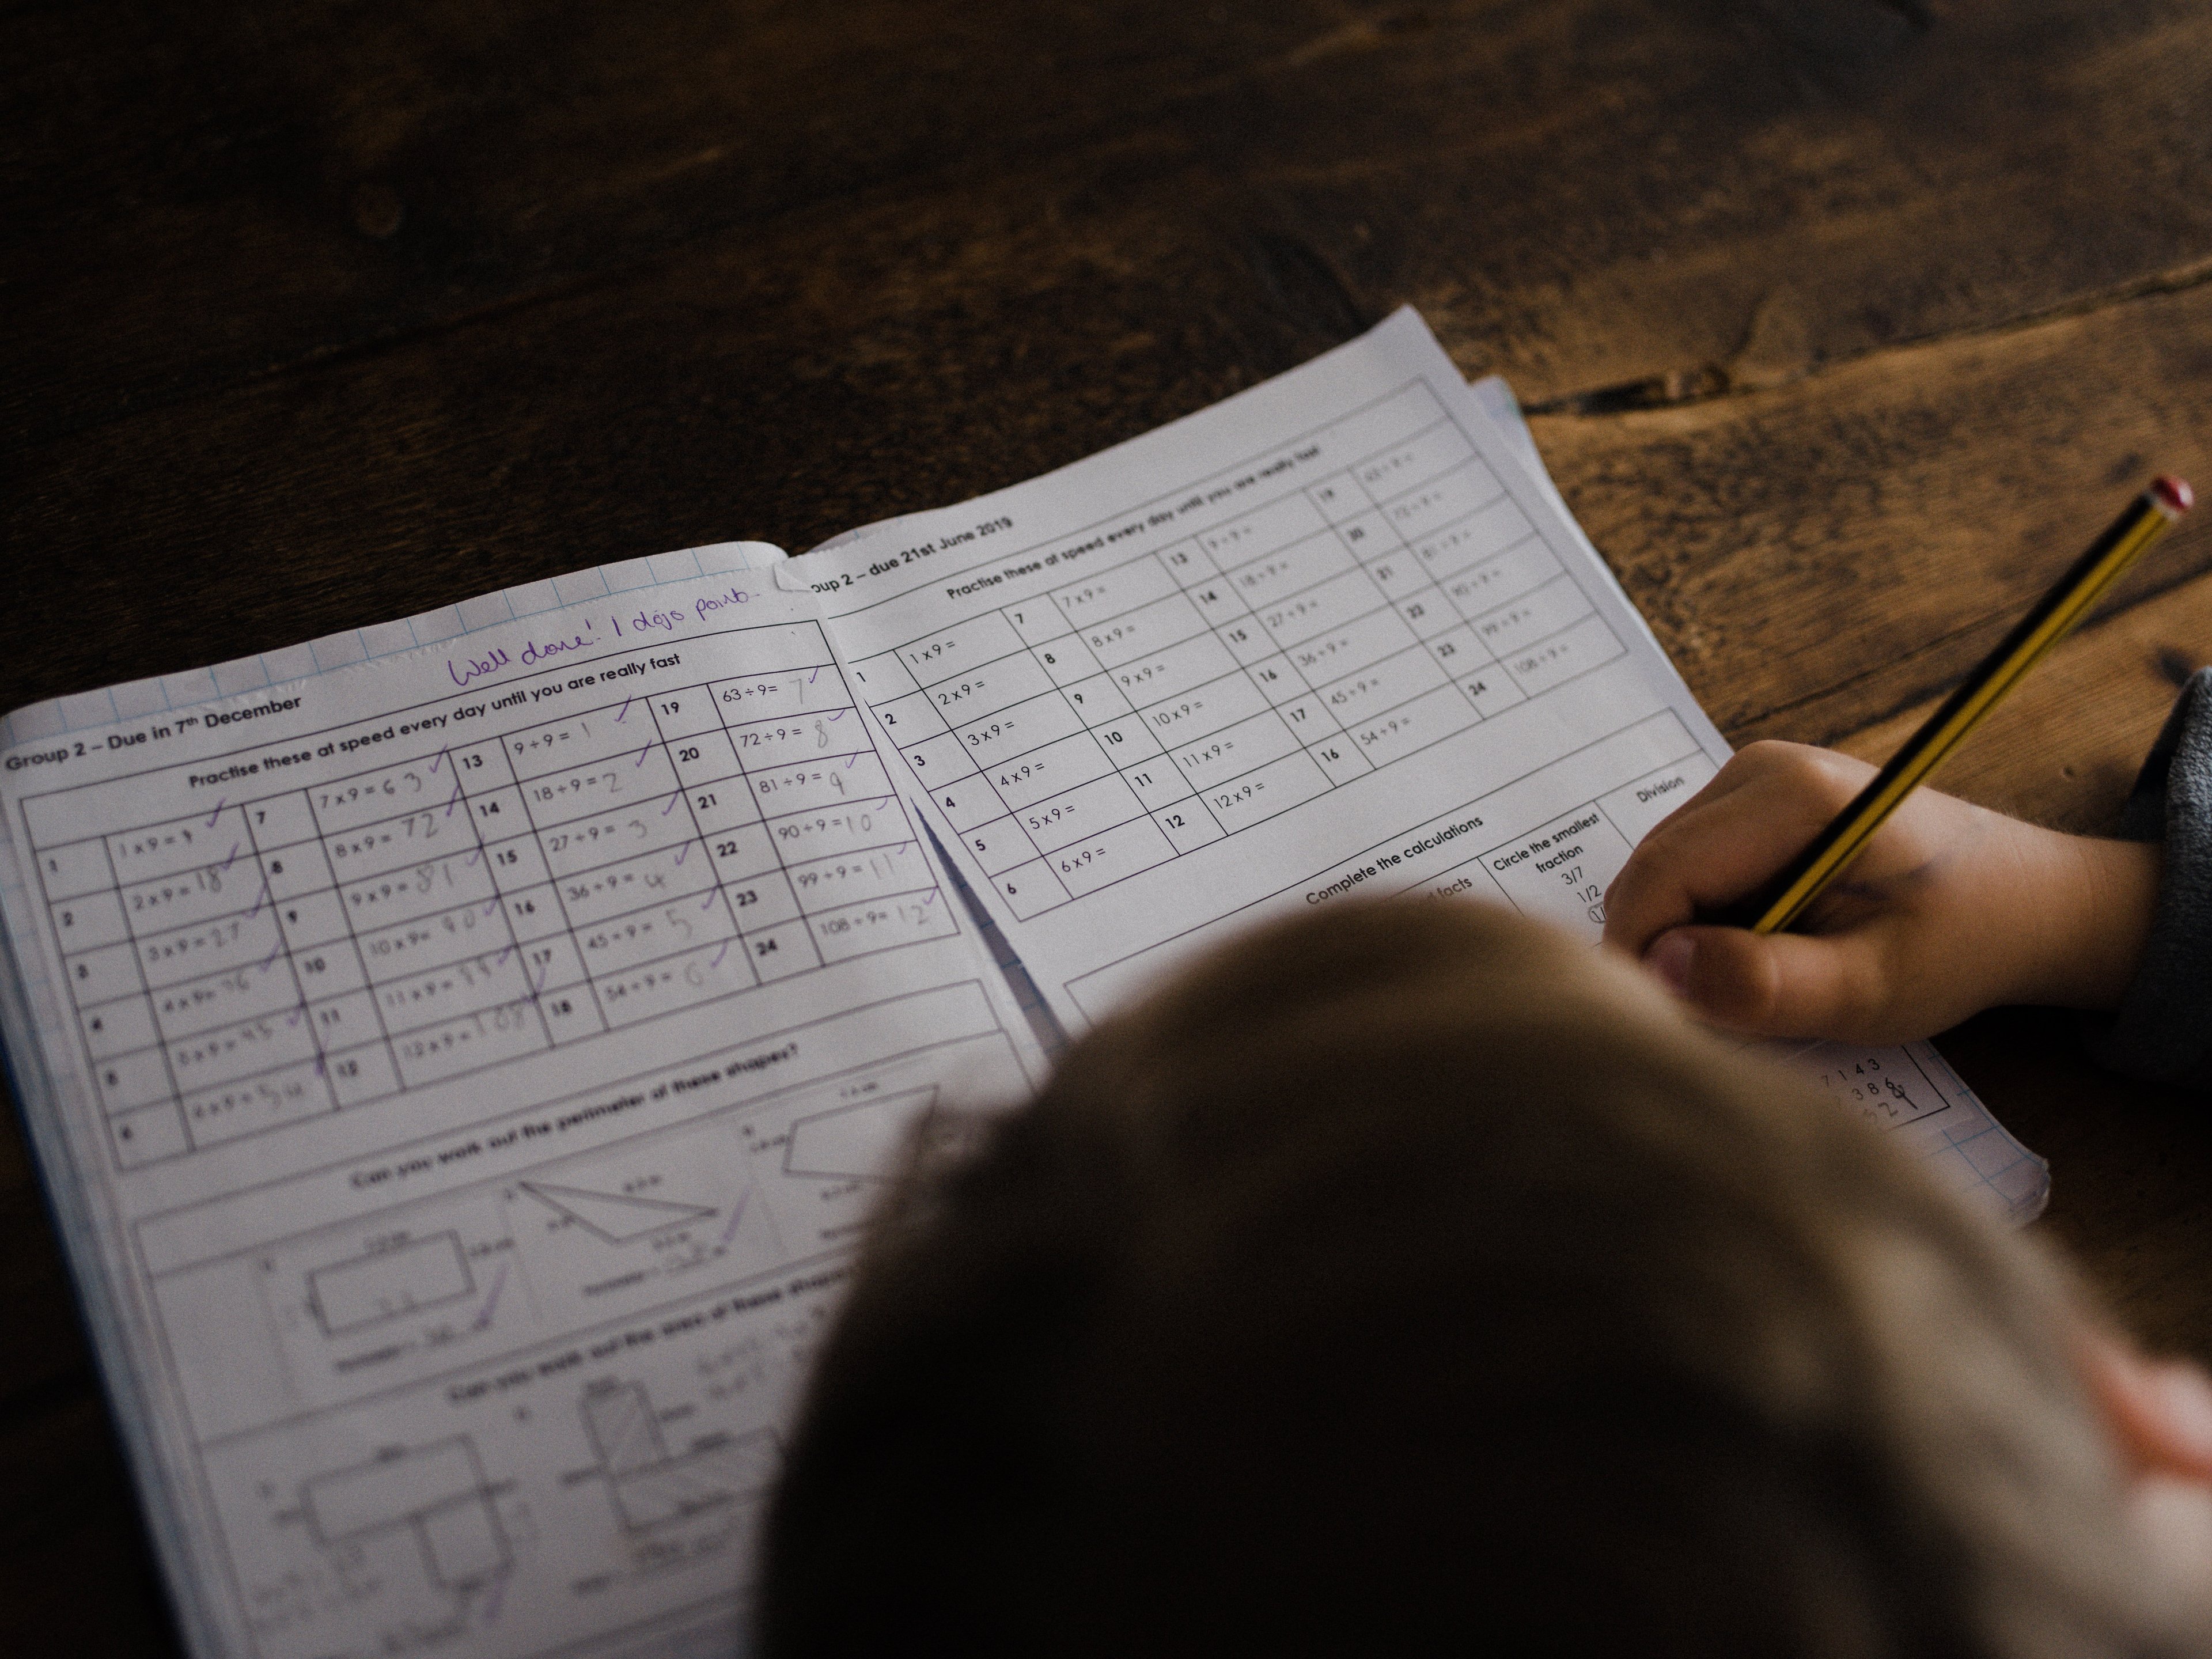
615, 1217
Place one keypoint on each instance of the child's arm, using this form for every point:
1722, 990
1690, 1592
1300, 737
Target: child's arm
1950, 909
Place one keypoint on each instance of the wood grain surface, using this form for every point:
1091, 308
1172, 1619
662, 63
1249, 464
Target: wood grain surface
1844, 323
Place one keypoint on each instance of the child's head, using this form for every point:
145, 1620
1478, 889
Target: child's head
1407, 1278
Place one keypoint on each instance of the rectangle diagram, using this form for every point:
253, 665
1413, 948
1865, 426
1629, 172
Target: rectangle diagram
386, 1283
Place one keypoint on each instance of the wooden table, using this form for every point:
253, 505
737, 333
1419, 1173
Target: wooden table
1844, 323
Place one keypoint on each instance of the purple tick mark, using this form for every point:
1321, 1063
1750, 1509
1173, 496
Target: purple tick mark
271, 957
234, 855
456, 800
641, 754
498, 1284
625, 708
736, 1216
217, 813
256, 910
720, 954
491, 907
681, 851
434, 759
670, 807
473, 857
318, 1066
505, 950
707, 903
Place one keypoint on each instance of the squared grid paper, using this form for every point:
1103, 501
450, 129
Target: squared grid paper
139, 699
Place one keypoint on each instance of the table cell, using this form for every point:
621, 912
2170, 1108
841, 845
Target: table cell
1428, 613
704, 758
810, 736
1340, 758
1335, 652
1636, 808
533, 911
413, 1001
1310, 719
1275, 575
118, 1027
1338, 496
1411, 726
96, 919
324, 970
621, 943
1048, 770
1262, 738
183, 953
609, 889
1157, 782
1448, 497
134, 1080
779, 696
911, 718
733, 802
571, 1014
103, 975
1321, 610
585, 843
1482, 533
1127, 739
344, 1022
1460, 649
302, 867
1413, 460
557, 962
634, 780
420, 783
1041, 721
1028, 890
1383, 685
1036, 621
399, 843
1276, 787
882, 924
163, 849
481, 764
879, 678
999, 845
940, 760
609, 735
846, 828
1560, 870
1247, 640
852, 877
1085, 865
1108, 593
442, 936
1139, 633
1218, 600
418, 890
818, 783
1187, 824
485, 1037
744, 852
1089, 809
956, 649
689, 712
1587, 645
1068, 660
1278, 682
247, 1049
761, 902
1533, 616
1188, 563
77, 868
361, 1074
780, 951
964, 698
969, 803
1170, 672
282, 821
1205, 709
148, 1136
1097, 700
228, 1111
1526, 565
1490, 689
1281, 521
516, 861
237, 994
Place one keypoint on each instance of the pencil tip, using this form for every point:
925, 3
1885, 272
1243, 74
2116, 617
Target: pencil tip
2174, 494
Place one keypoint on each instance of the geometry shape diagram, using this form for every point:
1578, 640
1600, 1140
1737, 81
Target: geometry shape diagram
649, 1488
615, 1217
860, 1142
420, 1274
437, 1491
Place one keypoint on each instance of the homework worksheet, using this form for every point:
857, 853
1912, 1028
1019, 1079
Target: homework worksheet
471, 1068
1333, 635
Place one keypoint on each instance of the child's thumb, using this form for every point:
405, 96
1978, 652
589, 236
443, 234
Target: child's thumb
1774, 984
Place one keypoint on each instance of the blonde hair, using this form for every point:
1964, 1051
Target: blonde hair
1386, 1282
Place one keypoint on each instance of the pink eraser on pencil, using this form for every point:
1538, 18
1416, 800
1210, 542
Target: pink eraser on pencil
2173, 493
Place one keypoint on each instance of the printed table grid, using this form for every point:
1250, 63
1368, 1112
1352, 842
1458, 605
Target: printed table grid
311, 950
1152, 707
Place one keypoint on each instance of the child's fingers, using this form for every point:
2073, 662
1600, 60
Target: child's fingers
1776, 985
1717, 848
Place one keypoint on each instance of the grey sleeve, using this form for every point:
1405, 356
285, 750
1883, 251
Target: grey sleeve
2162, 1031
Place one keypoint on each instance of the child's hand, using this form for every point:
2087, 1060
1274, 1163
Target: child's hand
1949, 909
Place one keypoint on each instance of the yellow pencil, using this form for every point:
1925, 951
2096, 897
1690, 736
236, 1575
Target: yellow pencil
1778, 903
